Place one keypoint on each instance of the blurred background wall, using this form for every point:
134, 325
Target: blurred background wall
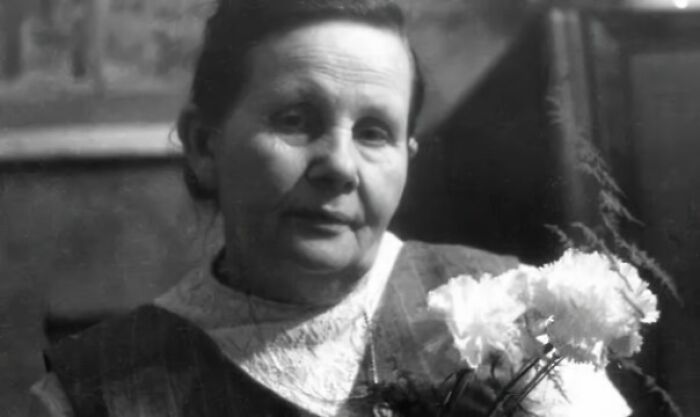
94, 218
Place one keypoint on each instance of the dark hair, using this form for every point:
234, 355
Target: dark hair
237, 26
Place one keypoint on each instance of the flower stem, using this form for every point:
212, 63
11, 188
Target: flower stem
505, 393
452, 397
539, 376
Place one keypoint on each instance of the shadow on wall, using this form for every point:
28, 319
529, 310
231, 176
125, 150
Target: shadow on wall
488, 176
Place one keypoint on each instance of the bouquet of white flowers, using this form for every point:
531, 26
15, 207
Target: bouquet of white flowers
580, 311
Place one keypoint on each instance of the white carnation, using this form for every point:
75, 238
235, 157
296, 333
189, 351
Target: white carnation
482, 315
593, 303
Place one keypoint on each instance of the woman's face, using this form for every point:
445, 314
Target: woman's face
312, 160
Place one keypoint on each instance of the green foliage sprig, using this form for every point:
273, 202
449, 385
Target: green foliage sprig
607, 237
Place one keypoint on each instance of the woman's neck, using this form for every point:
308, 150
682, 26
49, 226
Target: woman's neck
310, 290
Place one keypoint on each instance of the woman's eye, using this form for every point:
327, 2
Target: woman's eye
298, 119
374, 135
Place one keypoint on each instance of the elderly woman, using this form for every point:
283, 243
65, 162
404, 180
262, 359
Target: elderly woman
300, 129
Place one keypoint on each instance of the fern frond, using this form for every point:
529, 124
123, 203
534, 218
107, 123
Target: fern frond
643, 260
611, 203
651, 384
591, 237
564, 240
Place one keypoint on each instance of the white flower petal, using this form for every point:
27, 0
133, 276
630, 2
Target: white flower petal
481, 315
594, 301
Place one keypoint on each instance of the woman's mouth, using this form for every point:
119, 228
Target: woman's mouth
322, 219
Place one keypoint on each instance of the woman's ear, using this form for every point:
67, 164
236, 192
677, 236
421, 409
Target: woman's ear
412, 147
198, 140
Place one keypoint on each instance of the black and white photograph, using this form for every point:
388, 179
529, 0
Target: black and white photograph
350, 208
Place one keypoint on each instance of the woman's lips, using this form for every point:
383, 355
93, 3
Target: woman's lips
322, 218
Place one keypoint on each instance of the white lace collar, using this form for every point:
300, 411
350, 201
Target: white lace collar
309, 358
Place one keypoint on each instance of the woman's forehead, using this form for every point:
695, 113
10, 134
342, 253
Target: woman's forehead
349, 53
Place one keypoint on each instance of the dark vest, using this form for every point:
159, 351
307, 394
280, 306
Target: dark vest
152, 363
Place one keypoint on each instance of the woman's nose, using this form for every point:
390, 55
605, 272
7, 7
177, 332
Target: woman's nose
334, 162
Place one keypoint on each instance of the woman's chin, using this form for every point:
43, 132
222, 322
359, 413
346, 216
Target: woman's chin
326, 256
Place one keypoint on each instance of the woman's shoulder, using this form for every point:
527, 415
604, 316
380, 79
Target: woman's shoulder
128, 353
48, 399
153, 360
137, 336
438, 261
109, 354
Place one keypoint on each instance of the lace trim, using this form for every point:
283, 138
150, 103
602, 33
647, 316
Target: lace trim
308, 357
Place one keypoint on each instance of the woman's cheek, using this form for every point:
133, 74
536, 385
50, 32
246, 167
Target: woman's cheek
277, 164
286, 163
249, 172
384, 183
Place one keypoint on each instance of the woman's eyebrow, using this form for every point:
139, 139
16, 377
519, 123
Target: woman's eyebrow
285, 90
309, 89
304, 88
